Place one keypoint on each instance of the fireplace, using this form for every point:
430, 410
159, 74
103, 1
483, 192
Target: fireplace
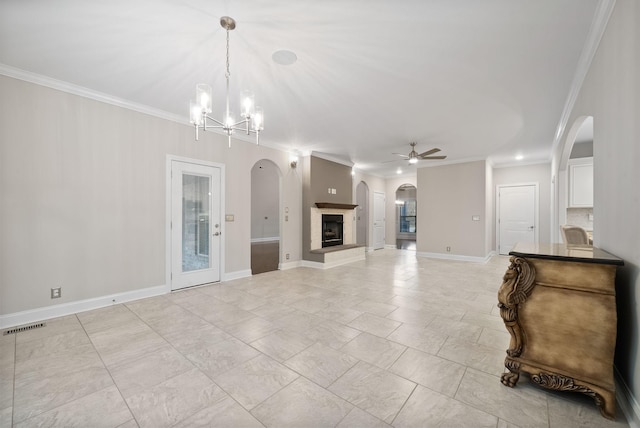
332, 230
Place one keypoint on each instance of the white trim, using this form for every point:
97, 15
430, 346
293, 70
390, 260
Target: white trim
332, 158
81, 91
270, 239
221, 166
370, 249
627, 401
596, 31
48, 312
336, 263
289, 265
456, 257
536, 210
230, 276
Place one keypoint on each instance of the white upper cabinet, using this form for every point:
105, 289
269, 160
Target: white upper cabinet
581, 182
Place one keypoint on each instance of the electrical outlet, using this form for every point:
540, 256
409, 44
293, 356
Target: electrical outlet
286, 256
56, 293
448, 249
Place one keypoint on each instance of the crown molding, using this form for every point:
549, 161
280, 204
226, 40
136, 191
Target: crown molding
81, 91
332, 158
596, 31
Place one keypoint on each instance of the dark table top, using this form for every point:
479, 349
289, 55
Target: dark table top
567, 253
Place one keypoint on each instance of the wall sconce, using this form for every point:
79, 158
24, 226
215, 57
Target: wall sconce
293, 161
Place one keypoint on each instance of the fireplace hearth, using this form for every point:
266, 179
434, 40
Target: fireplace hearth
332, 230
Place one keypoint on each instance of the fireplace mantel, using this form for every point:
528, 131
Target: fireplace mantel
335, 206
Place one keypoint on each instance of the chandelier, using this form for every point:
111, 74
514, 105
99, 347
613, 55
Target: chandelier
252, 116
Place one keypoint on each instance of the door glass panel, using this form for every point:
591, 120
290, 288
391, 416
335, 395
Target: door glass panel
196, 200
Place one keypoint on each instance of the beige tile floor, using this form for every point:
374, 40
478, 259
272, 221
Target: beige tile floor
394, 340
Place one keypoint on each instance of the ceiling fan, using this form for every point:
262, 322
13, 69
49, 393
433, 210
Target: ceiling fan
414, 156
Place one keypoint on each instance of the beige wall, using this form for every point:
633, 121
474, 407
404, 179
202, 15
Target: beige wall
83, 203
611, 94
448, 197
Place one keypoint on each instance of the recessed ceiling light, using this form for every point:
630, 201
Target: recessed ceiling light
284, 57
399, 171
519, 157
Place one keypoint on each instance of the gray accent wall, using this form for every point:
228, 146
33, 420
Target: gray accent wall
319, 176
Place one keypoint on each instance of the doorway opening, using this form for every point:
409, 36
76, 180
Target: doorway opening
406, 217
362, 214
265, 217
575, 178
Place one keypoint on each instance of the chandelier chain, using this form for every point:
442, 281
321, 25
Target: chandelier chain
227, 75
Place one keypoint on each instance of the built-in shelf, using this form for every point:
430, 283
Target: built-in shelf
335, 206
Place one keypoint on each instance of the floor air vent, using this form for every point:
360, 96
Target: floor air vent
24, 328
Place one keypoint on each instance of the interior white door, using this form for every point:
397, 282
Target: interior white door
378, 220
517, 219
195, 224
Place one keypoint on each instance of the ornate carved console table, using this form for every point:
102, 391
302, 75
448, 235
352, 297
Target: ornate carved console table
558, 303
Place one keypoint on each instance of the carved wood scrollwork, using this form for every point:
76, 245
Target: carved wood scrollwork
517, 284
563, 383
511, 377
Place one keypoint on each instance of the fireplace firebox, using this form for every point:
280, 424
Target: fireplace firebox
332, 229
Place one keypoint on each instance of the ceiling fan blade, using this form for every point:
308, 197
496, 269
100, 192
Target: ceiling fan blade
433, 157
401, 155
428, 152
394, 160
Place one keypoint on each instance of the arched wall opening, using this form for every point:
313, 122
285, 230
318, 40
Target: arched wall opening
406, 216
575, 178
266, 180
362, 214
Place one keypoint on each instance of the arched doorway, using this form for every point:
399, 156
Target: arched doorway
575, 177
406, 217
265, 217
362, 214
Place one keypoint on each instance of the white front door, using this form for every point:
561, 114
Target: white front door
378, 220
195, 224
517, 219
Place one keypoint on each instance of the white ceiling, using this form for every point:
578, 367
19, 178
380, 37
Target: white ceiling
480, 79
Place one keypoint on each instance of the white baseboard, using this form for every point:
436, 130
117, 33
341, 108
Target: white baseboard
628, 403
230, 276
289, 265
369, 249
457, 257
56, 311
329, 265
271, 239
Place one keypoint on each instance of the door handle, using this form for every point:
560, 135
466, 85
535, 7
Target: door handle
217, 234
531, 227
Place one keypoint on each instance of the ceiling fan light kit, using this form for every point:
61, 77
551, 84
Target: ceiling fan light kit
252, 116
413, 157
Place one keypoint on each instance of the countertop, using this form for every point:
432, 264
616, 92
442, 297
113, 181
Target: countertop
562, 252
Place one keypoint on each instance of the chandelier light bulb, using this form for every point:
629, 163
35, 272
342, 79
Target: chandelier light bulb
413, 160
247, 101
257, 120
